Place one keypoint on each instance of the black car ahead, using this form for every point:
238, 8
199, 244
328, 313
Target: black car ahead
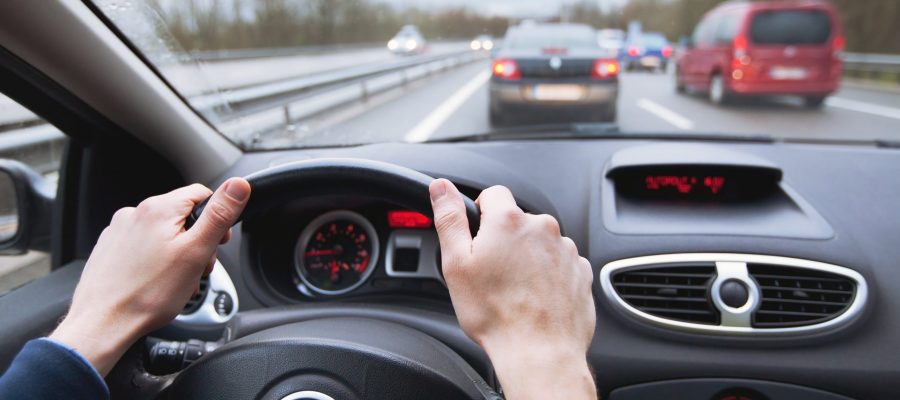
553, 71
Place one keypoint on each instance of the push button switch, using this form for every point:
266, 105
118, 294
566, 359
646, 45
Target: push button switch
224, 304
734, 293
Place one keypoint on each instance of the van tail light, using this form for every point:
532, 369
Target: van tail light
505, 68
605, 69
838, 46
633, 51
667, 51
740, 46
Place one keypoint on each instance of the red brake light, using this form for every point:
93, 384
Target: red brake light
604, 69
408, 219
554, 50
838, 45
506, 68
667, 51
633, 51
740, 46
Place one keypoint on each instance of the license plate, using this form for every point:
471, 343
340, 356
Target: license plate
558, 92
787, 73
650, 61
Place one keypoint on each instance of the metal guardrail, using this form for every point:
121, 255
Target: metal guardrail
873, 66
270, 104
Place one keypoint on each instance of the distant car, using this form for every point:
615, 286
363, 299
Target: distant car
553, 70
482, 42
765, 48
647, 50
408, 41
612, 40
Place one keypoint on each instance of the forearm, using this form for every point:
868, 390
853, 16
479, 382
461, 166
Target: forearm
100, 339
530, 373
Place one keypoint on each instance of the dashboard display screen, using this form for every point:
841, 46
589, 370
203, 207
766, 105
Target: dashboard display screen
700, 183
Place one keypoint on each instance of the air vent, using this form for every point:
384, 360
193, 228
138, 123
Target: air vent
196, 300
677, 292
797, 297
735, 294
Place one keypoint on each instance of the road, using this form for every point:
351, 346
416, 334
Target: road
456, 103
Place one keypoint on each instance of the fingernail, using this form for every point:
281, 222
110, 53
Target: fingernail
438, 189
237, 190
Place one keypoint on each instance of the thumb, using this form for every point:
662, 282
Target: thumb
222, 210
450, 222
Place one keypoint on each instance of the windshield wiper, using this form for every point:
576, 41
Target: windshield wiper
593, 131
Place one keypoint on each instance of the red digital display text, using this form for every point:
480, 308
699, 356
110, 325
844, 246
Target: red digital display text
685, 184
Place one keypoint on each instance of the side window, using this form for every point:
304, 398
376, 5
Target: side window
26, 138
703, 35
727, 28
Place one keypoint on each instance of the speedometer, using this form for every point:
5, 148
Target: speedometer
336, 252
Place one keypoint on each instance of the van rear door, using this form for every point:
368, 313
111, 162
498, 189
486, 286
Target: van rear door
791, 44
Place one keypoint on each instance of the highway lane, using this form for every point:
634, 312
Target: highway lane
648, 103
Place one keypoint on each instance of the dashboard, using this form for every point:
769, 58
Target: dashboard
819, 209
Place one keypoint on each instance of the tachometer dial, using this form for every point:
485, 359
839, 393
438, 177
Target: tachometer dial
336, 252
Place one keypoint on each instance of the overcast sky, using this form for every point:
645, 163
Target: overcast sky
511, 8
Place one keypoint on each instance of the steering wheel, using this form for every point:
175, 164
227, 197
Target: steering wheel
344, 352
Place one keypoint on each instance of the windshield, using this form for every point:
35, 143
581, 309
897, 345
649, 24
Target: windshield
274, 74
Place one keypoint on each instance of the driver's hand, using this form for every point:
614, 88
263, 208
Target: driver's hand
521, 291
145, 267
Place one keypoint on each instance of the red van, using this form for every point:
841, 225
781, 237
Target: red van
765, 48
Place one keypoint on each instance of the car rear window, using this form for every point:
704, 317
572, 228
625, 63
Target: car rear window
790, 27
650, 40
541, 38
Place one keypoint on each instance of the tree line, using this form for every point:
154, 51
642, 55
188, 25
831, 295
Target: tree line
871, 26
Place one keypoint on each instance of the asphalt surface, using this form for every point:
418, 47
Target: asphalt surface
456, 103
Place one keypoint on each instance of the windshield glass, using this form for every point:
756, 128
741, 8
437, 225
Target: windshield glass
273, 74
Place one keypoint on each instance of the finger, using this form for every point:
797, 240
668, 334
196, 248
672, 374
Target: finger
178, 202
497, 204
222, 210
450, 221
227, 237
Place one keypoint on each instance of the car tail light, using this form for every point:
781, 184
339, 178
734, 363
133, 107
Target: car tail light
505, 68
838, 46
667, 51
633, 51
740, 46
605, 69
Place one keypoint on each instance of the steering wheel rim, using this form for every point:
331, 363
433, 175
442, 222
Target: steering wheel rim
331, 176
341, 176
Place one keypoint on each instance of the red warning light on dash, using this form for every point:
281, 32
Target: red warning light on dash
685, 184
408, 219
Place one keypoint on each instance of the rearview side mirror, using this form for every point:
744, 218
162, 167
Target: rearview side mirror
26, 207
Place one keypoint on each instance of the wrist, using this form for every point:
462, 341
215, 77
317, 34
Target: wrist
100, 339
541, 370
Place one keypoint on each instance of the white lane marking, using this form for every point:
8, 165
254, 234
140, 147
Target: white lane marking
425, 128
863, 107
666, 114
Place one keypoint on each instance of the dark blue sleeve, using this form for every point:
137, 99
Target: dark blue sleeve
46, 369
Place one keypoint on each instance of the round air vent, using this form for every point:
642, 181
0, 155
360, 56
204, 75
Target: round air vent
734, 294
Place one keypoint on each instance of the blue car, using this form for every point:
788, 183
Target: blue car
646, 51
